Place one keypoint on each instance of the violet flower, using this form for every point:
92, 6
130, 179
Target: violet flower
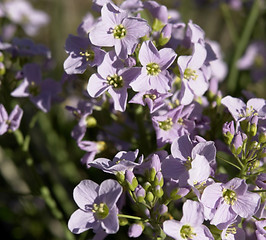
240, 111
112, 77
154, 74
21, 12
97, 207
81, 55
254, 60
152, 98
194, 83
230, 200
173, 124
121, 162
191, 224
41, 92
118, 30
11, 122
261, 231
189, 163
135, 230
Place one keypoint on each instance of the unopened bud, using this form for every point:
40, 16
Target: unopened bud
158, 191
149, 197
131, 180
140, 193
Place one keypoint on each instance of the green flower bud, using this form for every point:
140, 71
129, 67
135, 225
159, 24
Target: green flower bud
120, 176
158, 191
149, 197
91, 122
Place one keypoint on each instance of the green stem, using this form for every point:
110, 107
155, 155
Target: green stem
129, 216
230, 163
242, 44
258, 191
229, 22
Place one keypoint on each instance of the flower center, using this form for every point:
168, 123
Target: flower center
229, 196
188, 163
101, 210
166, 125
186, 232
190, 74
153, 69
151, 96
34, 89
119, 31
230, 230
116, 81
88, 55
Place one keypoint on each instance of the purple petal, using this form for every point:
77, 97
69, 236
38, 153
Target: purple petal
148, 53
207, 149
235, 106
182, 147
198, 57
172, 228
3, 113
167, 57
192, 213
15, 118
211, 195
100, 35
109, 192
97, 85
111, 224
81, 221
223, 216
85, 193
247, 204
120, 98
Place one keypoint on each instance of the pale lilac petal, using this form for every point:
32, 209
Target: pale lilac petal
198, 57
160, 82
112, 15
182, 147
71, 65
247, 204
97, 85
109, 192
140, 84
85, 193
3, 113
136, 27
182, 62
207, 149
111, 224
81, 221
259, 105
173, 168
235, 106
200, 85
172, 228
211, 195
223, 216
200, 170
238, 185
148, 53
21, 90
15, 118
167, 57
120, 98
192, 213
100, 35
125, 46
202, 233
186, 94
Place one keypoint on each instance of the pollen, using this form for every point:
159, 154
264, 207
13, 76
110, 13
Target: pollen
167, 124
190, 74
116, 81
119, 31
88, 55
153, 69
229, 196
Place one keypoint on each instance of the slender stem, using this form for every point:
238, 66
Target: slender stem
230, 163
258, 191
129, 216
229, 22
240, 47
